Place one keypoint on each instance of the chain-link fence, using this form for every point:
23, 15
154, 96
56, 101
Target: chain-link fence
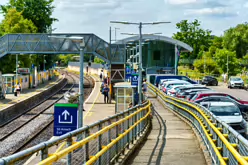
225, 145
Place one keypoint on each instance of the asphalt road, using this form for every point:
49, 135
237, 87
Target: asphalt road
239, 93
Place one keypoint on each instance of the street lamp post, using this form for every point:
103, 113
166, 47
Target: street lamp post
140, 49
227, 69
16, 68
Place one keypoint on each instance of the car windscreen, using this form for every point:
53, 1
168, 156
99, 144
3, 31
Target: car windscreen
235, 79
230, 110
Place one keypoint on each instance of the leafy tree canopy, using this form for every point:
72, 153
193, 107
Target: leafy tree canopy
236, 39
191, 33
38, 11
15, 23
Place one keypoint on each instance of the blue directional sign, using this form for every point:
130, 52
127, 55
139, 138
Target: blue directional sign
128, 70
65, 118
134, 79
128, 76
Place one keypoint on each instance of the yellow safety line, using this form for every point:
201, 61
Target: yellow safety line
92, 105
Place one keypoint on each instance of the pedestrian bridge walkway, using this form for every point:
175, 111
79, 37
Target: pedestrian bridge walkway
163, 130
170, 142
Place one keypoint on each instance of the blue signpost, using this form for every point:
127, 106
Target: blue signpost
134, 79
65, 118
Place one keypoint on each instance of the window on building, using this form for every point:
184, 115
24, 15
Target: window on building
156, 55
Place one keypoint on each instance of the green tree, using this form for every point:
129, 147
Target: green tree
15, 23
38, 11
224, 57
236, 39
98, 60
191, 33
206, 64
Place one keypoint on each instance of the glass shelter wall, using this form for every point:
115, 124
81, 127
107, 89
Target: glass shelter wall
158, 54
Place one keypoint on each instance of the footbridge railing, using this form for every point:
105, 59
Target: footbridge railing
102, 142
224, 144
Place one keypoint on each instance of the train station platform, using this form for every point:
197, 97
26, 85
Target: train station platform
170, 142
95, 108
10, 99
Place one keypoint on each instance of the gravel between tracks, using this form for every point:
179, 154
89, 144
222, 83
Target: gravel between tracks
12, 142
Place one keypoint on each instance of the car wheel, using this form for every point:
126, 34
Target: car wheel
216, 84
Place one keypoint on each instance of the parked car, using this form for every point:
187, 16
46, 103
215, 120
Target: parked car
175, 88
242, 107
189, 94
203, 94
180, 91
209, 80
235, 82
229, 113
168, 85
163, 81
159, 77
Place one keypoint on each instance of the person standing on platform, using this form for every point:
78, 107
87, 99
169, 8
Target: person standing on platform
144, 89
105, 80
105, 92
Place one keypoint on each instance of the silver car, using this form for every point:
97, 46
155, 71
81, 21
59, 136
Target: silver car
235, 82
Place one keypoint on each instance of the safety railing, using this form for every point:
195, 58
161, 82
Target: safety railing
102, 143
225, 145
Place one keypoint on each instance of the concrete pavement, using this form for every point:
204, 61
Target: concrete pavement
171, 142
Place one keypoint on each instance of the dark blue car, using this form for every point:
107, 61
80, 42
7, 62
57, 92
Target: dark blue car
158, 78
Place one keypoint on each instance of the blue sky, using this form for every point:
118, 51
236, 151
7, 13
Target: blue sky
94, 16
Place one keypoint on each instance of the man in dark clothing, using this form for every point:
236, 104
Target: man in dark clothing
105, 92
136, 98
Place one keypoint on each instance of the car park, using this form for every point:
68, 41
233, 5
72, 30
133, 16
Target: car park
203, 94
235, 82
168, 85
209, 80
189, 94
175, 88
180, 91
163, 81
242, 107
229, 113
159, 77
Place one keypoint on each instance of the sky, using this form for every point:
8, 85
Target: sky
94, 16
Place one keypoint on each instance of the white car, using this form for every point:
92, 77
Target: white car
229, 113
173, 90
168, 85
163, 81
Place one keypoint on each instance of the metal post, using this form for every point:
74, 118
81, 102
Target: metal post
227, 66
140, 63
16, 68
81, 92
100, 142
44, 65
110, 76
175, 59
69, 156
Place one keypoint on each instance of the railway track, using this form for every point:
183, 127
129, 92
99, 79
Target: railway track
36, 114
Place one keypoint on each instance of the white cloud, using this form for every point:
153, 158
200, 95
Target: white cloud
182, 2
210, 11
246, 5
94, 16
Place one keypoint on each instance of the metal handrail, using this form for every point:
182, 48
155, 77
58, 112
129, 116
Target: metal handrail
56, 156
43, 147
217, 135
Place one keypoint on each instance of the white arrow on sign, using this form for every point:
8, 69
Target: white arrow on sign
66, 113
